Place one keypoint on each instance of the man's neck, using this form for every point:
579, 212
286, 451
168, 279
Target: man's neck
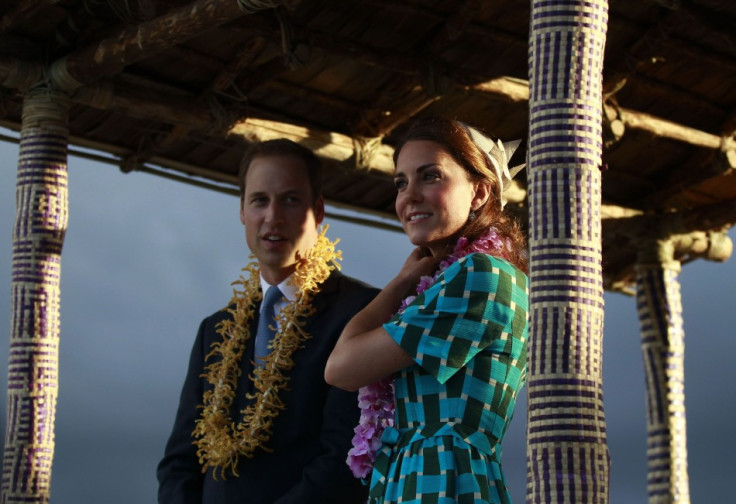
275, 277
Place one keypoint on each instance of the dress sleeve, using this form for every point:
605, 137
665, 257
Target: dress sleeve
478, 302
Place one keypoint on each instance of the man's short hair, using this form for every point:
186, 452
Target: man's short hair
284, 147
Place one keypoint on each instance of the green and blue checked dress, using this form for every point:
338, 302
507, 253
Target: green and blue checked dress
468, 335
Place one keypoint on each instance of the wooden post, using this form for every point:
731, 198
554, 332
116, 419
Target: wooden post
38, 236
663, 348
567, 452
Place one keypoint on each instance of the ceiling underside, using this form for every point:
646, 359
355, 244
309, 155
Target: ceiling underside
187, 86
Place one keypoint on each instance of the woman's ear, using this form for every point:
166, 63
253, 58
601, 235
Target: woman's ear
482, 194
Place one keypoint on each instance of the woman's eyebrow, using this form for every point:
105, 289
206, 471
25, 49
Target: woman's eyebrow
419, 169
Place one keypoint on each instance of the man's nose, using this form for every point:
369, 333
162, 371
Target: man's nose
274, 212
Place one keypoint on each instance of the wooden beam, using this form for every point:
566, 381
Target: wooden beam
638, 227
21, 13
684, 98
135, 43
227, 184
517, 90
192, 57
325, 99
393, 104
224, 75
639, 56
667, 129
145, 104
333, 44
413, 11
260, 75
19, 74
711, 20
331, 145
245, 56
503, 88
455, 25
385, 118
390, 118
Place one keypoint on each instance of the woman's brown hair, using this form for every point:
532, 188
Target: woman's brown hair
454, 138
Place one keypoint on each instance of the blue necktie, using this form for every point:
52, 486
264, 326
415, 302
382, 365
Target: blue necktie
265, 334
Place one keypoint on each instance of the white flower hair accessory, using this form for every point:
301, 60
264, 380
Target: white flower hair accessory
498, 154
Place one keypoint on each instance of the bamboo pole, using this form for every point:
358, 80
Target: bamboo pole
38, 237
663, 349
567, 452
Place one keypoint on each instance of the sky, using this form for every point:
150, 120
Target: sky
145, 259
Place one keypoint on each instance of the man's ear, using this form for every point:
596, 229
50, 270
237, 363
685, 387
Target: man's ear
482, 194
319, 210
242, 210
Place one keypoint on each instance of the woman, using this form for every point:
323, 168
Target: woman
454, 350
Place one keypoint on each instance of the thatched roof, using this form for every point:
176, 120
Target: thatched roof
186, 85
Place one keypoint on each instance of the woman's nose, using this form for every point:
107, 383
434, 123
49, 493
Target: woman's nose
413, 192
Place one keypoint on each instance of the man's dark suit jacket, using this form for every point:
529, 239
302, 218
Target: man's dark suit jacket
310, 438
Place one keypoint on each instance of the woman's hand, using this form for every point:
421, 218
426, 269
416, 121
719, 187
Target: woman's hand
419, 263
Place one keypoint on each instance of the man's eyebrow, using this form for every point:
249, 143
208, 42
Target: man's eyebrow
286, 192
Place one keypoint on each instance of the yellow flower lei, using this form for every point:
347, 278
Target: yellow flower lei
220, 442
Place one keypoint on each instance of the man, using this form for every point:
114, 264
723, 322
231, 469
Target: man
256, 422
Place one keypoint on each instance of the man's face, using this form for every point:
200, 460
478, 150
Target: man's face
278, 214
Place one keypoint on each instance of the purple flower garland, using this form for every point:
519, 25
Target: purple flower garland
376, 401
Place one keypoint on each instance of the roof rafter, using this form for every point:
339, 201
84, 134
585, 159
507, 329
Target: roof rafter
22, 12
132, 44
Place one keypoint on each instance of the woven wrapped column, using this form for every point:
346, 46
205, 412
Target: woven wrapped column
567, 454
663, 347
38, 235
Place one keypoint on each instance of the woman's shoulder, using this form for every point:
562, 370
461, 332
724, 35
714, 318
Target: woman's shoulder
481, 262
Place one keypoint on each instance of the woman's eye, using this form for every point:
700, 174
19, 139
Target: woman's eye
430, 176
400, 184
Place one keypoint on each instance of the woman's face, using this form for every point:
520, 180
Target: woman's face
435, 194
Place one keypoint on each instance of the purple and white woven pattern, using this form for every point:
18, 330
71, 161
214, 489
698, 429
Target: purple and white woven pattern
38, 236
663, 347
567, 454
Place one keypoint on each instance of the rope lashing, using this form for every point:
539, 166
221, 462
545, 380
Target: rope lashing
287, 40
365, 149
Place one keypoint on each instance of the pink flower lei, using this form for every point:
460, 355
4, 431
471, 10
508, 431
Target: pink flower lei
376, 401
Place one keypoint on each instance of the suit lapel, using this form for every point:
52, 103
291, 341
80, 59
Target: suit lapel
325, 295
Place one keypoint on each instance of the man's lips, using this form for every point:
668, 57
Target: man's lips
273, 238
